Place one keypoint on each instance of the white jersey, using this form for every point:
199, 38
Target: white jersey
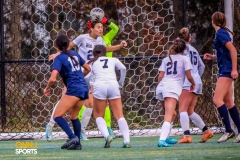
103, 70
197, 65
174, 74
86, 44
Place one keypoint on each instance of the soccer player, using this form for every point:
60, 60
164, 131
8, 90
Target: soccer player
226, 56
187, 100
106, 87
68, 65
84, 115
85, 43
173, 70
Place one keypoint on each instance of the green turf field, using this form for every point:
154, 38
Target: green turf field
142, 148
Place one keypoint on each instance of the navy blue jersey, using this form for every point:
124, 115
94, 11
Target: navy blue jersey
223, 54
71, 74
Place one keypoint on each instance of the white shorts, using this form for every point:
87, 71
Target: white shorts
160, 96
197, 89
106, 90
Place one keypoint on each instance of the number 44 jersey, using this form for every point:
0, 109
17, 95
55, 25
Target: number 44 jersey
174, 73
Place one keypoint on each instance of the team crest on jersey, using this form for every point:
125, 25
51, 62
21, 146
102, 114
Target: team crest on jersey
88, 45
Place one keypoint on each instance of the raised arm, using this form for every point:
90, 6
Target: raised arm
116, 47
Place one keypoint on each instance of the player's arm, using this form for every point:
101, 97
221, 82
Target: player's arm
51, 82
233, 53
113, 32
116, 47
86, 70
208, 56
160, 76
119, 66
201, 66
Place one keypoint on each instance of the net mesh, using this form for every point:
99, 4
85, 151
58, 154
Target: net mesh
29, 35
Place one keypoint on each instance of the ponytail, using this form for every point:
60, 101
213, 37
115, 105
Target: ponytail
64, 50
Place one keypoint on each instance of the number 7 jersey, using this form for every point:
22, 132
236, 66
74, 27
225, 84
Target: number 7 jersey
174, 74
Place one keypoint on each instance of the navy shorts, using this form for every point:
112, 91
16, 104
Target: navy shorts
225, 74
81, 93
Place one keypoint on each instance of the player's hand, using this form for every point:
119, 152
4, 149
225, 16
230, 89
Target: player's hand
234, 74
52, 56
192, 87
89, 23
46, 91
104, 20
123, 44
208, 56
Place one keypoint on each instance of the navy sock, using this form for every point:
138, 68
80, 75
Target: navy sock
76, 127
235, 117
65, 127
205, 128
223, 111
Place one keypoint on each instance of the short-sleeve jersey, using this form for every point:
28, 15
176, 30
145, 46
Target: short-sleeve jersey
71, 74
223, 54
86, 44
196, 62
174, 74
103, 69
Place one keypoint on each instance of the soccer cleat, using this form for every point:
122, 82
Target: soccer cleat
110, 131
70, 142
237, 140
83, 135
75, 147
48, 132
226, 136
108, 141
206, 136
126, 145
170, 140
185, 139
162, 143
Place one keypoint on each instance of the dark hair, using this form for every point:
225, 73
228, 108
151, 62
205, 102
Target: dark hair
98, 51
219, 20
178, 46
184, 34
62, 43
93, 23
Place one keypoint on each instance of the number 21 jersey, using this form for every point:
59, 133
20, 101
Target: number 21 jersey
174, 74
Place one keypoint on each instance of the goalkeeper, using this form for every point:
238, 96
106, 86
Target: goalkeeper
85, 113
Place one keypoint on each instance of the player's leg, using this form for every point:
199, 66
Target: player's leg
50, 124
222, 88
170, 105
197, 120
233, 111
73, 112
116, 107
184, 102
108, 119
64, 105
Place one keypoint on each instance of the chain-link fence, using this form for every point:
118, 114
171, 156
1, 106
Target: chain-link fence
30, 28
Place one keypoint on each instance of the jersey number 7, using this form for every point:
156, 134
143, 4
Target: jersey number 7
105, 63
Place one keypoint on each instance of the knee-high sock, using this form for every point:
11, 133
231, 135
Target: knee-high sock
52, 122
235, 117
170, 129
86, 116
102, 126
76, 127
184, 120
65, 127
123, 126
197, 120
223, 111
107, 116
165, 130
81, 113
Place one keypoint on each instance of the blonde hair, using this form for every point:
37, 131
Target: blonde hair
184, 34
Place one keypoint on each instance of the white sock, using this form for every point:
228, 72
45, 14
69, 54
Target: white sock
122, 123
165, 130
52, 122
197, 120
184, 120
86, 116
102, 126
170, 129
